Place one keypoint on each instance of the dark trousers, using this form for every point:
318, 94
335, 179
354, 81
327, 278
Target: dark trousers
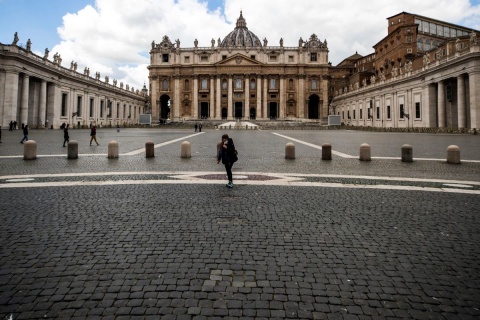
228, 167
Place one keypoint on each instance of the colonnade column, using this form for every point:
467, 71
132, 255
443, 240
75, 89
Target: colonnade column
441, 104
265, 92
195, 97
301, 97
474, 88
461, 102
230, 98
211, 107
282, 97
218, 114
24, 105
11, 97
260, 114
247, 97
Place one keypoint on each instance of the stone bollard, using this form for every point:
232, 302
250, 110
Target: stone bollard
30, 150
149, 150
365, 152
407, 153
113, 149
72, 149
290, 151
326, 151
186, 150
453, 154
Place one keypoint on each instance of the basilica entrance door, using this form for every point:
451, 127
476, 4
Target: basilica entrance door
204, 110
238, 110
224, 113
164, 107
273, 110
253, 113
313, 106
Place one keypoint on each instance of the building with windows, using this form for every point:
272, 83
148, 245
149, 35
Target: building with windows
424, 73
239, 77
41, 93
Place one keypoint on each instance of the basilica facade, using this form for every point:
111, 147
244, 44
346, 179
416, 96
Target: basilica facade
239, 77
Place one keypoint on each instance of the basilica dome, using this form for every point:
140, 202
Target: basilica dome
241, 36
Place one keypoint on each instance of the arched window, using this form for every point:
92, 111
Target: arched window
273, 83
187, 85
224, 84
204, 84
313, 84
252, 84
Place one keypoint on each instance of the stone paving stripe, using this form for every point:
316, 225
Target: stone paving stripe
160, 145
340, 154
241, 182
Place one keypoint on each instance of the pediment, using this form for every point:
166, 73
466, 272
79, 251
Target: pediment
239, 60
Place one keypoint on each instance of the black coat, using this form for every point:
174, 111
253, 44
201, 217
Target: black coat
228, 155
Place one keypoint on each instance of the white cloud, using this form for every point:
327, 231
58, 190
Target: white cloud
115, 36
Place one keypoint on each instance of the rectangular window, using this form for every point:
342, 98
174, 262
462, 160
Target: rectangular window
102, 105
348, 114
313, 56
273, 58
402, 111
64, 104
290, 58
313, 84
124, 111
273, 83
204, 84
204, 59
224, 57
165, 57
187, 59
109, 109
91, 107
79, 106
354, 114
252, 84
238, 83
361, 114
118, 110
417, 110
252, 57
165, 85
389, 116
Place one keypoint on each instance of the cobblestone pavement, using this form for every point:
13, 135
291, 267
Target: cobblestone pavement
163, 238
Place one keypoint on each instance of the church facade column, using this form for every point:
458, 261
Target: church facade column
24, 102
230, 99
195, 97
282, 97
301, 97
43, 104
265, 95
176, 100
211, 107
247, 97
474, 97
441, 104
461, 102
258, 85
218, 101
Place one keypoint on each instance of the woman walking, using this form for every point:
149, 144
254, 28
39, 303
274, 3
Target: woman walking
228, 155
25, 133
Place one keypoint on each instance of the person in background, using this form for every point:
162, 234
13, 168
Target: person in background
66, 137
93, 134
25, 133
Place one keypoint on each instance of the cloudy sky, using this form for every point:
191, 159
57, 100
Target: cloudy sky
114, 36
